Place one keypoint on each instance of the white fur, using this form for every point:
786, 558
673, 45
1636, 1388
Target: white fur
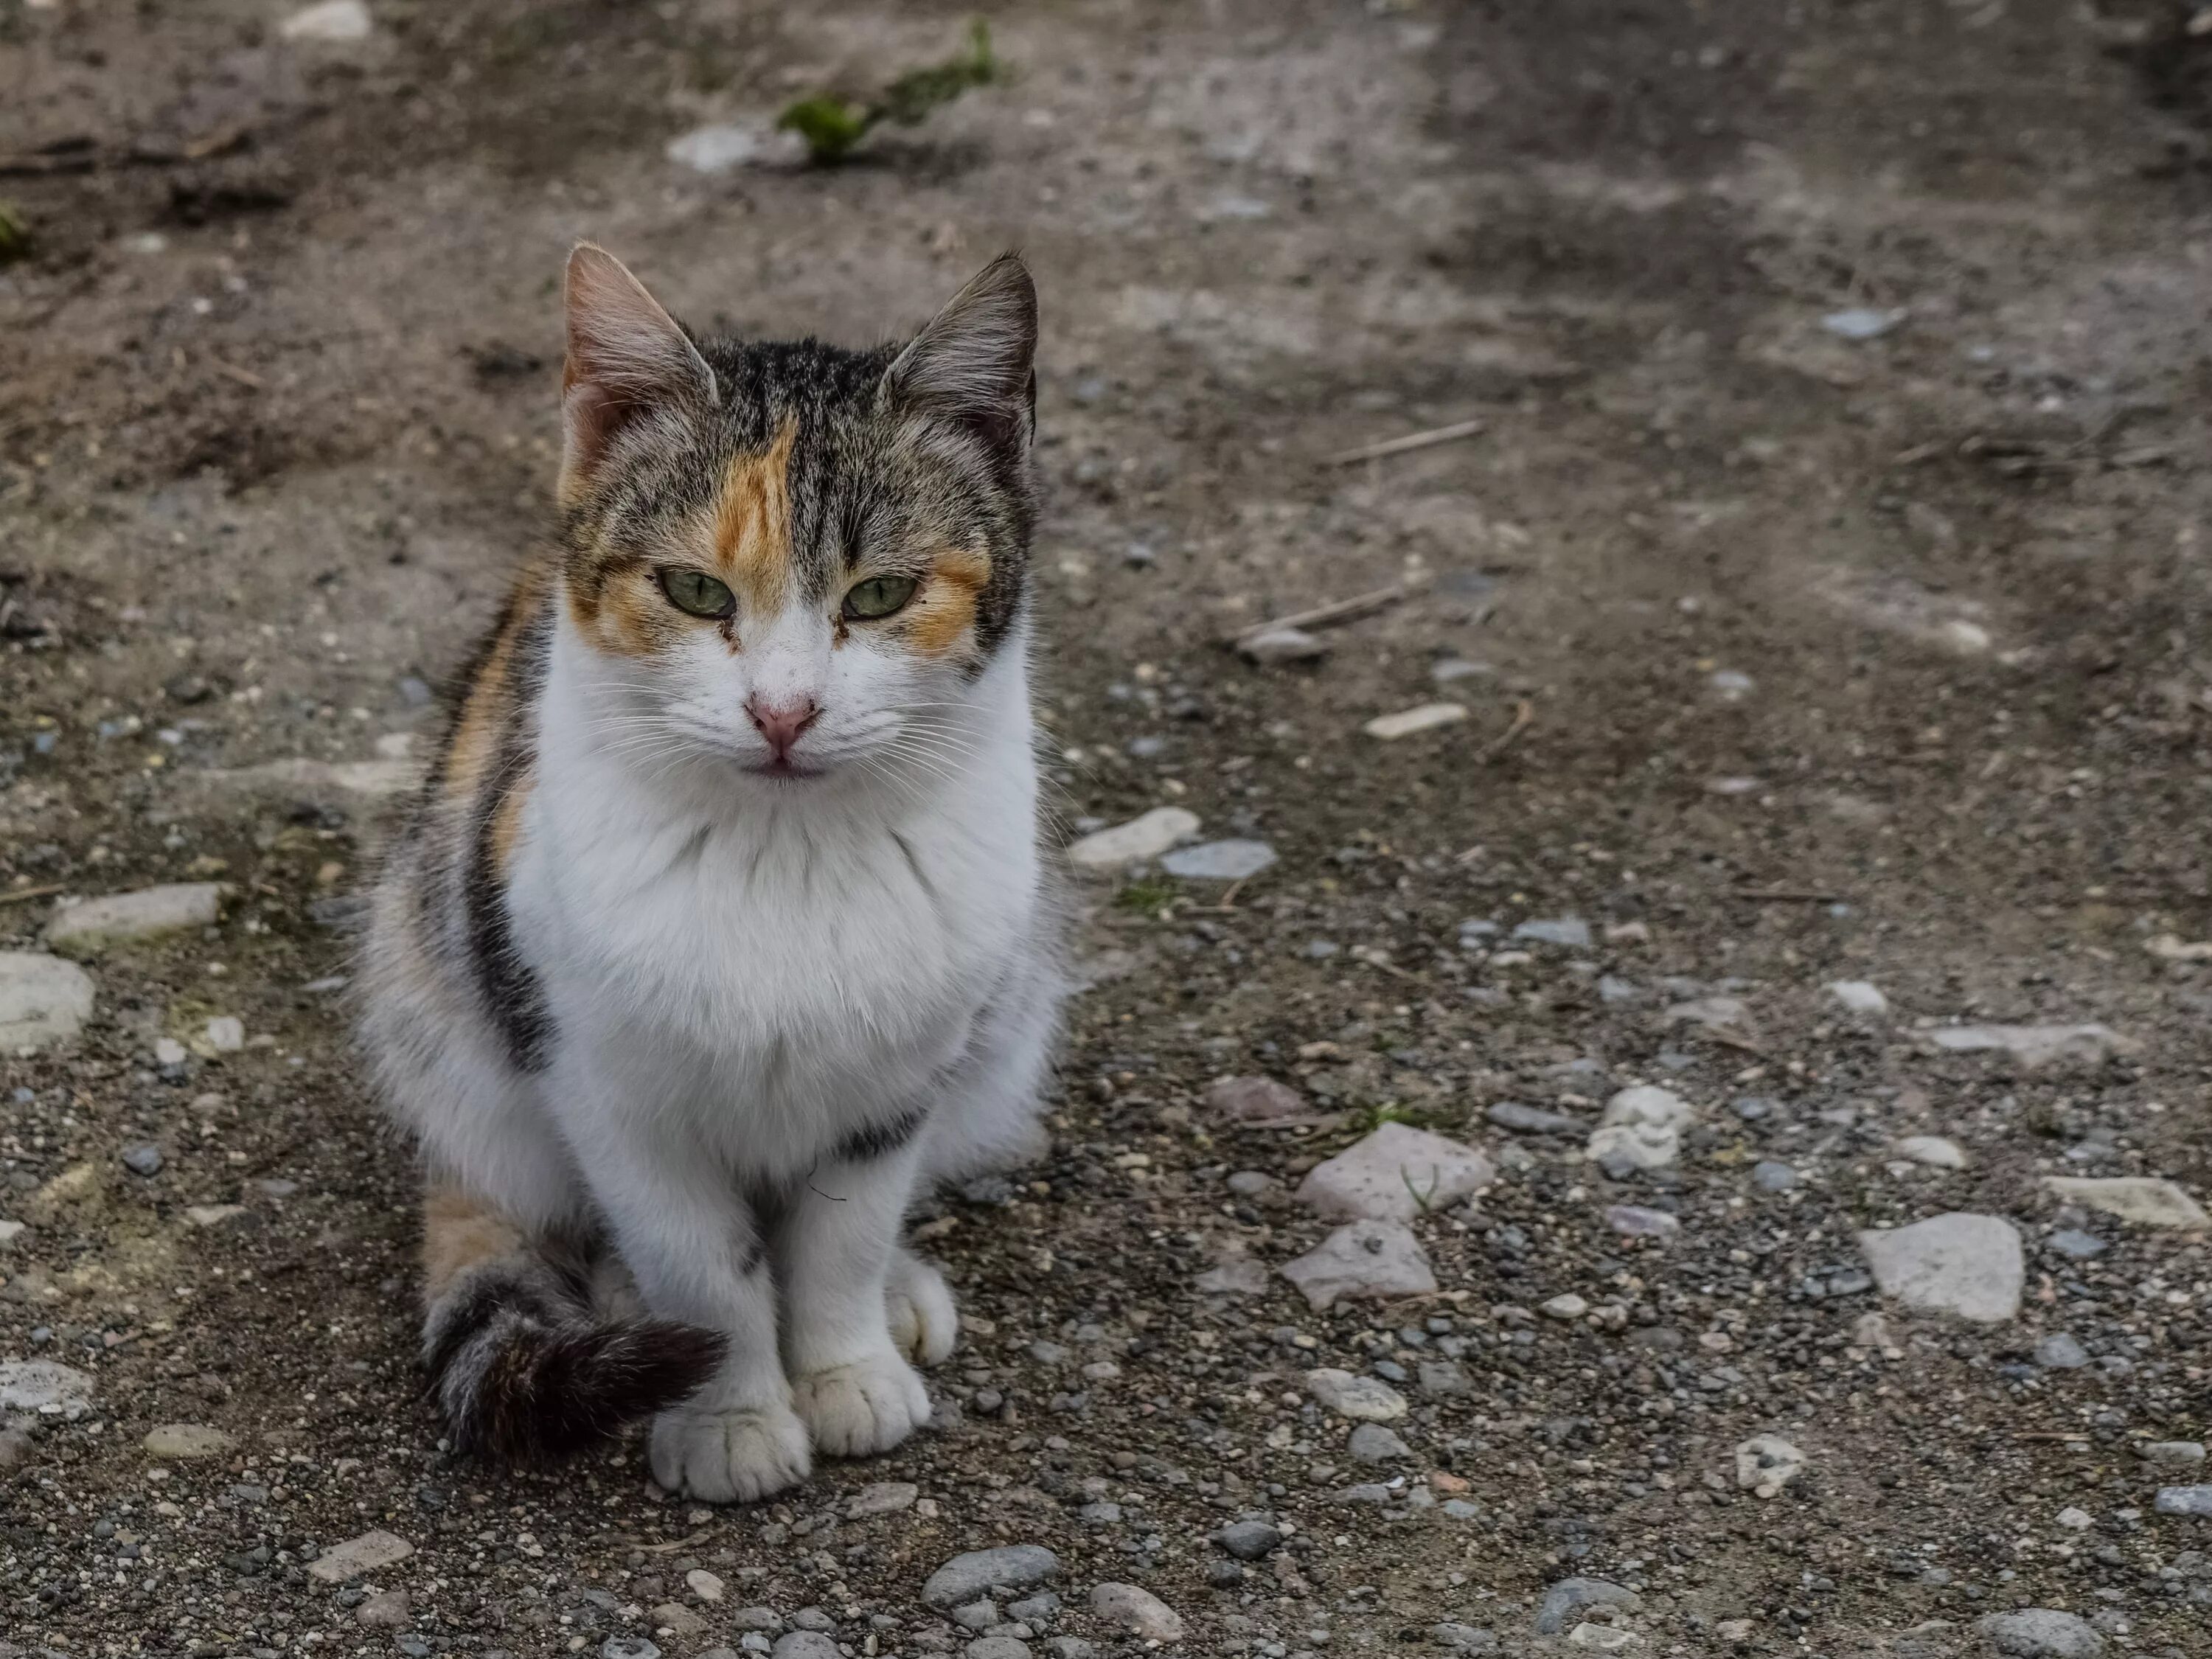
741, 971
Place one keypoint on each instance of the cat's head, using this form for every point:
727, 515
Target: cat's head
788, 559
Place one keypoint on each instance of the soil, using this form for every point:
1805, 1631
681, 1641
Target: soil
1787, 657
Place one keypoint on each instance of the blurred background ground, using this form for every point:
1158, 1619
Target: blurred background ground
1823, 593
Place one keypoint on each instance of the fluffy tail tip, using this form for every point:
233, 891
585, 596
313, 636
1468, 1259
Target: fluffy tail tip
546, 1390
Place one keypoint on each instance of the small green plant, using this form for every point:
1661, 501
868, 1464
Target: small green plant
1366, 1119
834, 128
15, 236
1146, 898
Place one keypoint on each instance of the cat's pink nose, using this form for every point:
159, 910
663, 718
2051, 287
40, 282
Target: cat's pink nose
781, 723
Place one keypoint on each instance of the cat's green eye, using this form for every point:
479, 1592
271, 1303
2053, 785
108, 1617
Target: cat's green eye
877, 597
696, 591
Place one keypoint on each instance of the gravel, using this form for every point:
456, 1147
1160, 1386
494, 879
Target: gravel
2040, 1633
1008, 1566
1566, 1601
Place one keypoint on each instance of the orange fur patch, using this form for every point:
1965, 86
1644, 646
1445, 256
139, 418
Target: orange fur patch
630, 616
507, 824
752, 525
943, 613
459, 1230
487, 709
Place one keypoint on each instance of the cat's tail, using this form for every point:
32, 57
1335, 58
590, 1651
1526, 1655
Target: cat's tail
521, 1365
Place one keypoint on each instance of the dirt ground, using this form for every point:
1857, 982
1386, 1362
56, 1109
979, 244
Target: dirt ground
1789, 658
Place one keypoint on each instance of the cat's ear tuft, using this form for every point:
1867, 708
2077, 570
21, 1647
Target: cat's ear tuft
976, 361
627, 357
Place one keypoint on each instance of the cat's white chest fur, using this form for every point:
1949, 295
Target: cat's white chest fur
764, 980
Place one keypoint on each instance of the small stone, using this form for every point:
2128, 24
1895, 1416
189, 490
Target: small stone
2075, 1520
884, 1498
2035, 1046
1363, 1398
1011, 1566
1566, 1306
1967, 1265
1219, 860
1225, 1575
43, 999
1714, 1013
1572, 932
1371, 1442
2076, 1245
976, 1615
1426, 717
756, 1619
1238, 1276
2060, 1352
367, 1553
144, 1160
1601, 1638
1571, 1596
678, 1620
330, 22
88, 928
1858, 323
1456, 1638
1138, 1611
388, 1610
212, 1215
1766, 1463
805, 1645
636, 1647
998, 1647
168, 1052
1366, 1259
2145, 1200
225, 1034
1140, 838
1444, 1379
1633, 1221
1070, 1647
41, 1386
1771, 1177
1250, 1540
187, 1440
1858, 996
1934, 1151
2171, 1454
2184, 1500
2040, 1633
1396, 1174
722, 146
1255, 1100
1533, 1120
1641, 1128
708, 1588
1271, 645
10, 1231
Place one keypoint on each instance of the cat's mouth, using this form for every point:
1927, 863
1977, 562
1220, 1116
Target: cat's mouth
783, 766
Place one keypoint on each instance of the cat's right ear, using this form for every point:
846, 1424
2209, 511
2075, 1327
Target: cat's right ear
627, 357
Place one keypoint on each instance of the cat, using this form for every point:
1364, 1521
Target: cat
724, 924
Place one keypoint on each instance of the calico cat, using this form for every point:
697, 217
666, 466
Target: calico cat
723, 925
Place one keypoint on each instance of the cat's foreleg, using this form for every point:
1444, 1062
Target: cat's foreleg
699, 1253
836, 1250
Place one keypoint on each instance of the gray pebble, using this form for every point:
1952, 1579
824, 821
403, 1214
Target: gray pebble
2040, 1633
630, 1647
1769, 1177
998, 1647
1035, 1609
144, 1160
976, 1615
1454, 1637
1250, 1540
1572, 932
805, 1645
1070, 1647
2073, 1243
1011, 1566
1567, 1598
2184, 1500
1533, 1121
1371, 1442
2060, 1352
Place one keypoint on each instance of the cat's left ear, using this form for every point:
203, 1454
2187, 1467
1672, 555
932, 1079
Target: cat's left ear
976, 361
627, 358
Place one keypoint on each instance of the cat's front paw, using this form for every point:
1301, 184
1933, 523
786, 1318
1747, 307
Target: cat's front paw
919, 1305
730, 1457
867, 1406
